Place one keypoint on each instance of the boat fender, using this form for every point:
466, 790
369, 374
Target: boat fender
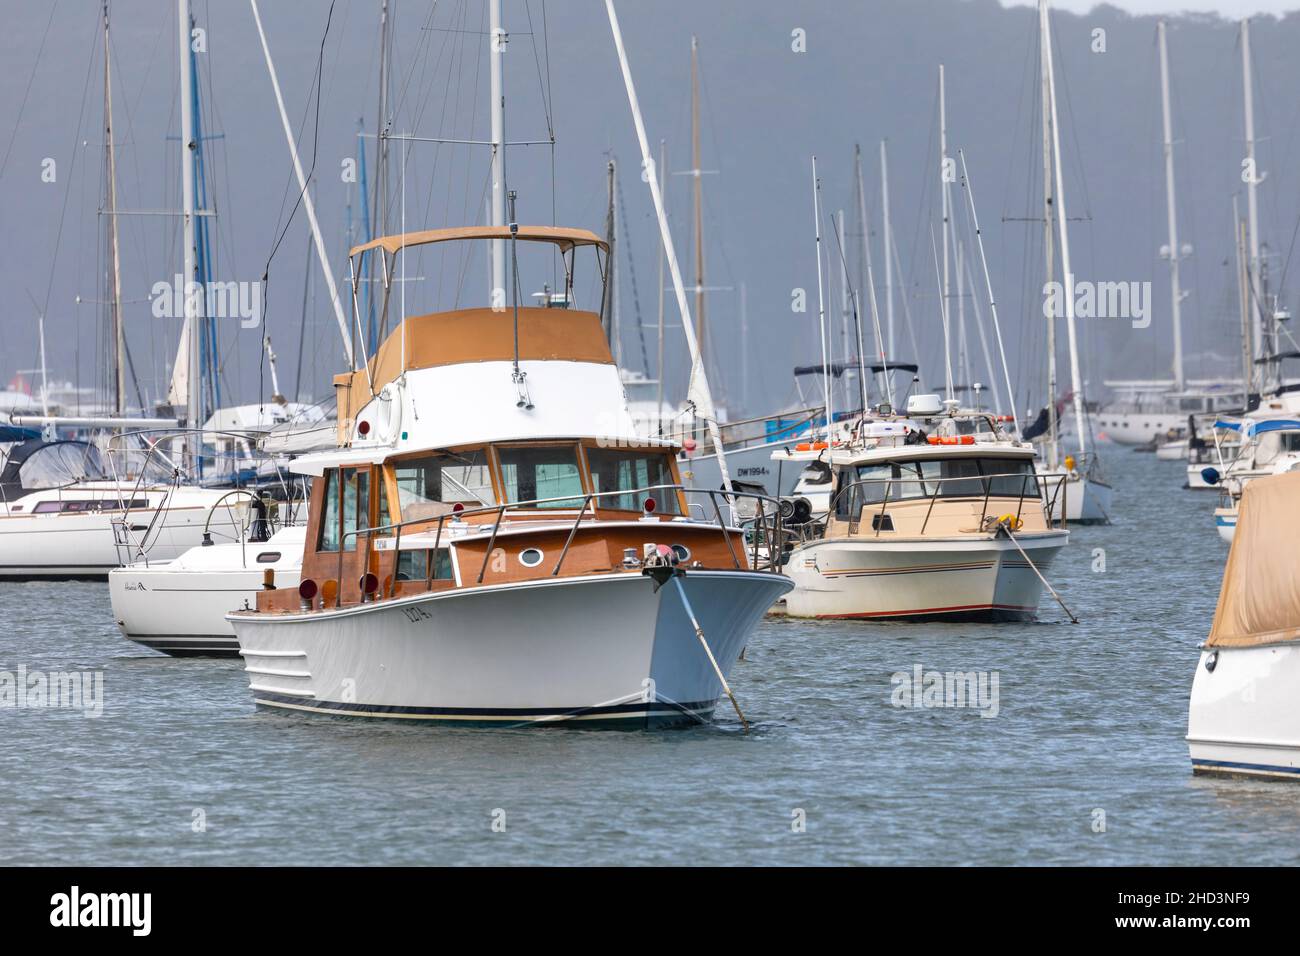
1211, 661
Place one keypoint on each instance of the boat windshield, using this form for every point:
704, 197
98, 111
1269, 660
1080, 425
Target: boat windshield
965, 477
62, 463
430, 485
531, 472
623, 470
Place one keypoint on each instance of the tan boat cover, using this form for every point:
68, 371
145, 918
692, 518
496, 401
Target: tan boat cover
1259, 602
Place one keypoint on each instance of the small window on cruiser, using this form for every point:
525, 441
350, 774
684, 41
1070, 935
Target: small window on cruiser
329, 524
356, 506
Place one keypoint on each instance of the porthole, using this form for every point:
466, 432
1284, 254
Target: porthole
681, 553
530, 557
268, 557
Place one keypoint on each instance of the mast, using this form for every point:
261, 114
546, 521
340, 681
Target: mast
1175, 290
889, 252
308, 206
1076, 380
496, 47
698, 391
943, 188
838, 223
1252, 207
697, 172
115, 298
1243, 300
663, 165
191, 293
379, 203
1053, 429
821, 302
870, 291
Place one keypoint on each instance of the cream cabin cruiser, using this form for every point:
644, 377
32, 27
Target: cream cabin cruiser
492, 542
933, 515
69, 511
1243, 718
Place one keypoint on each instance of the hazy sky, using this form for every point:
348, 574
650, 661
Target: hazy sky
1227, 8
869, 73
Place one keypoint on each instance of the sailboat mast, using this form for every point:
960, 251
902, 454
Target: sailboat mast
1076, 380
870, 292
943, 190
1243, 299
698, 391
1053, 430
1252, 207
821, 301
1175, 290
496, 47
698, 173
889, 252
663, 165
191, 293
115, 298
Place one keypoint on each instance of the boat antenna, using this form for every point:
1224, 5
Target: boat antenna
519, 376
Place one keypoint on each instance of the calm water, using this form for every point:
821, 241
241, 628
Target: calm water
1091, 717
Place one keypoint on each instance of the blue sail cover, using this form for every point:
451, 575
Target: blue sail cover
1259, 428
10, 433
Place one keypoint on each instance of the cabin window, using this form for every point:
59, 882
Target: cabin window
413, 565
628, 471
47, 507
429, 487
329, 524
356, 506
533, 472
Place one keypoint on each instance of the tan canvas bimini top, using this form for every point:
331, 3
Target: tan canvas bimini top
567, 239
1259, 602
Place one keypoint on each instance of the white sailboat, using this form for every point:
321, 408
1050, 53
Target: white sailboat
1085, 497
75, 509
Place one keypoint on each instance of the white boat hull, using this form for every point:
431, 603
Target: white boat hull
1225, 522
1137, 428
952, 578
1243, 719
86, 545
604, 649
752, 465
1084, 500
1172, 450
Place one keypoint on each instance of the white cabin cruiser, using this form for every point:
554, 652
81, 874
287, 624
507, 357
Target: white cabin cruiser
1269, 446
67, 513
1243, 718
493, 543
934, 515
179, 607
